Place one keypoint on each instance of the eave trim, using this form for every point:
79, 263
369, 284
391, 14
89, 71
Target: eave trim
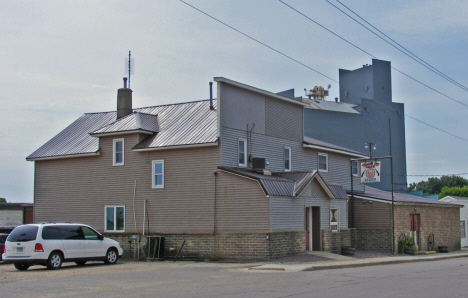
65, 156
257, 90
121, 133
322, 148
178, 146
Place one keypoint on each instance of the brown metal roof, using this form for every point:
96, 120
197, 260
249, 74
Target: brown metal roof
288, 184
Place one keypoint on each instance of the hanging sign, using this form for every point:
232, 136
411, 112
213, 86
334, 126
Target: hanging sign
370, 172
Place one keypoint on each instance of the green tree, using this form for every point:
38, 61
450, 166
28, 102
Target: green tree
434, 185
2, 200
454, 191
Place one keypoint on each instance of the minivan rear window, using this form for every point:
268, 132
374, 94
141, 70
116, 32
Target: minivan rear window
52, 233
23, 234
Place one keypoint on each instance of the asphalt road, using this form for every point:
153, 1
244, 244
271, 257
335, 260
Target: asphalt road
445, 278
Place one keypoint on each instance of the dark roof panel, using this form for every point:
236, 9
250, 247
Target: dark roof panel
374, 193
287, 184
325, 145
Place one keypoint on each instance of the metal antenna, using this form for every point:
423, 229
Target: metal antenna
129, 68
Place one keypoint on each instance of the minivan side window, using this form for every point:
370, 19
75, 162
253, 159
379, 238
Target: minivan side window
72, 233
90, 234
52, 233
23, 234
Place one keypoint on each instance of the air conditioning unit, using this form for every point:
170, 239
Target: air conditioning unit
155, 247
258, 163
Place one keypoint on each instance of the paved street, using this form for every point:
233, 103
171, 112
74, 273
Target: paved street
444, 278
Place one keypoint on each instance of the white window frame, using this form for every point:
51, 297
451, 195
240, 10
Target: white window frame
153, 174
337, 222
357, 168
245, 152
114, 161
115, 218
318, 162
289, 158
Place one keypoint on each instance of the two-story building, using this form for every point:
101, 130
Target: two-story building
233, 176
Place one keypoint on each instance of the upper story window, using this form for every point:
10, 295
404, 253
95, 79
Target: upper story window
354, 168
118, 159
158, 173
334, 220
287, 159
242, 152
323, 162
115, 219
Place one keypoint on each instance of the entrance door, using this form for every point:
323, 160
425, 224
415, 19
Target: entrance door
313, 229
414, 228
316, 235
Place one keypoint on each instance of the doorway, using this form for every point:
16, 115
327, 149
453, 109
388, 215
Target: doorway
313, 235
415, 221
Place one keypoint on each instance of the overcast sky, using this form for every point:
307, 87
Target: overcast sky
60, 59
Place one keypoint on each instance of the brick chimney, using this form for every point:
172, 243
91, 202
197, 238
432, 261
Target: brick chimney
124, 101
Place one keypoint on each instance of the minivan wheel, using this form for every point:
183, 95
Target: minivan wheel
111, 256
21, 266
55, 260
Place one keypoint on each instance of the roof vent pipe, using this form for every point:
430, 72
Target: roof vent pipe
124, 101
211, 96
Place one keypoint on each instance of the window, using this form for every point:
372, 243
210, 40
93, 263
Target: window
71, 233
115, 218
462, 229
323, 162
23, 234
90, 234
242, 152
158, 174
355, 169
334, 226
118, 152
287, 159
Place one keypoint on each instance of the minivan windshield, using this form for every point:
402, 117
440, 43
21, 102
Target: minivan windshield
23, 234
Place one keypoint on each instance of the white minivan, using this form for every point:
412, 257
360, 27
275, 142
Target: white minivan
51, 244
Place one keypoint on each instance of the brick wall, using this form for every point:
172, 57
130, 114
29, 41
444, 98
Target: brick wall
443, 222
373, 239
287, 243
333, 241
227, 246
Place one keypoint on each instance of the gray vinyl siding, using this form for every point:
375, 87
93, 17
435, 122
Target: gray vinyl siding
241, 205
267, 147
284, 120
288, 213
239, 107
339, 171
277, 124
77, 189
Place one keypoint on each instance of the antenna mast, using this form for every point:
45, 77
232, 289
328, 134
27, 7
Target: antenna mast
129, 68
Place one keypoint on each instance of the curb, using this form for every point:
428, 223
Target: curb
385, 262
